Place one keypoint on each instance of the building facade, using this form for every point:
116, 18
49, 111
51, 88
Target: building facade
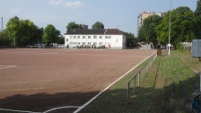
146, 14
109, 38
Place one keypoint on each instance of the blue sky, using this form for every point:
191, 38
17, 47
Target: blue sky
121, 14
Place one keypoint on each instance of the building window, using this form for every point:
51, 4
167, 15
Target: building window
94, 43
83, 43
72, 43
78, 37
100, 37
89, 43
89, 37
83, 37
74, 37
100, 43
107, 37
95, 37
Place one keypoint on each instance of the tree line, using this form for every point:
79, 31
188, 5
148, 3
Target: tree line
23, 33
185, 26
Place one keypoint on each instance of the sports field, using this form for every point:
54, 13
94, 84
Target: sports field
41, 79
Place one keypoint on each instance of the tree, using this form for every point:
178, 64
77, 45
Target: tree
98, 25
37, 36
13, 29
26, 32
20, 31
51, 35
197, 20
4, 39
181, 27
71, 26
61, 39
130, 40
147, 31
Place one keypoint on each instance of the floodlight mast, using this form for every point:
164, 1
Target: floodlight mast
169, 45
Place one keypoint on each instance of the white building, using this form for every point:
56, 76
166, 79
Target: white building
109, 38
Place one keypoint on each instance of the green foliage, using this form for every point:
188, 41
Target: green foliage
23, 32
147, 31
130, 40
4, 39
13, 28
37, 36
181, 26
98, 25
51, 35
197, 20
72, 25
61, 39
26, 31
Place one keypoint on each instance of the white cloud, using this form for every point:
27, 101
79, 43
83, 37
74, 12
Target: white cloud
76, 4
14, 11
66, 4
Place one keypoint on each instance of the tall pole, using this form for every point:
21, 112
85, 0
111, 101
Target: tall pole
169, 29
1, 23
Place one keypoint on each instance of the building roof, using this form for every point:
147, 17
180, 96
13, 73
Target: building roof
96, 31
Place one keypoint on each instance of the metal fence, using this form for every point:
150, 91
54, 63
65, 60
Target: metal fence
134, 82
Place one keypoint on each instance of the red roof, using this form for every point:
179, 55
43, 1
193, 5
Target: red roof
113, 31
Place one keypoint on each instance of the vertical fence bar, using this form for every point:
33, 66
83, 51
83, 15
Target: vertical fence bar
137, 78
128, 94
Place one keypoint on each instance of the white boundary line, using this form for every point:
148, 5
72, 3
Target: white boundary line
84, 105
7, 66
64, 107
87, 103
11, 110
50, 110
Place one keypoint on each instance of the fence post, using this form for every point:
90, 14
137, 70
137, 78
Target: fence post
128, 96
138, 79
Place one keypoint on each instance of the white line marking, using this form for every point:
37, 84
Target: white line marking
8, 66
57, 108
11, 110
87, 103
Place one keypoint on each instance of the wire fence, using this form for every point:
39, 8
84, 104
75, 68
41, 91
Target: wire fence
134, 82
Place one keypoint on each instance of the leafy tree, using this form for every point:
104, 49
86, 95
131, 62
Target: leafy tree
181, 26
26, 32
51, 35
147, 31
197, 20
20, 31
71, 26
13, 29
61, 39
98, 25
37, 36
130, 40
4, 39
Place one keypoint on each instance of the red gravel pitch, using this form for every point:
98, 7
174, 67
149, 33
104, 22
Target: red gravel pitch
41, 79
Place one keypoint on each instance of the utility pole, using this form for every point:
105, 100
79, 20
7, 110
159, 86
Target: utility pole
169, 45
1, 23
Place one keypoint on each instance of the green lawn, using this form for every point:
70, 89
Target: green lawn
166, 88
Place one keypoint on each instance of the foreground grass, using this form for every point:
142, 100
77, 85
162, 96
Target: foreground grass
114, 100
167, 88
